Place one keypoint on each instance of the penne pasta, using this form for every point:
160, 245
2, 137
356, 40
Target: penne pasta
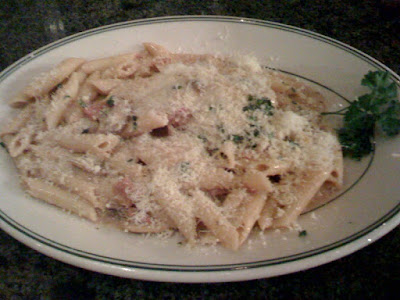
336, 176
180, 212
100, 145
267, 214
104, 86
104, 63
249, 214
63, 98
217, 178
145, 228
125, 164
215, 221
154, 142
48, 81
18, 122
257, 181
19, 100
234, 200
155, 49
84, 186
87, 92
61, 198
21, 141
304, 191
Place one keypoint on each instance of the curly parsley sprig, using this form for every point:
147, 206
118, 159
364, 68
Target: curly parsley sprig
380, 107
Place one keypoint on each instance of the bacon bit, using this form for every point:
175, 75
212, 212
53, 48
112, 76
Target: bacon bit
198, 86
251, 190
122, 201
141, 162
180, 117
217, 192
230, 170
93, 111
160, 132
132, 213
211, 151
141, 55
122, 185
128, 192
159, 62
249, 155
127, 69
275, 178
120, 189
147, 219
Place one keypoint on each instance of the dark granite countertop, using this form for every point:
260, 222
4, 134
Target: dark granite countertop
373, 272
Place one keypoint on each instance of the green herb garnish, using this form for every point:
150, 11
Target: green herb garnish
3, 145
82, 104
203, 138
253, 118
293, 143
263, 104
303, 233
256, 132
134, 119
110, 102
184, 166
237, 139
380, 108
221, 128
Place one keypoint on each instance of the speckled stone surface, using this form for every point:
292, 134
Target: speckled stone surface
373, 272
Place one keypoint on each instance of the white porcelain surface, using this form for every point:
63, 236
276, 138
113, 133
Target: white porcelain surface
368, 209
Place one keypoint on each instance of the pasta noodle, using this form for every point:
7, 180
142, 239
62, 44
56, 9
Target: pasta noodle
48, 81
212, 147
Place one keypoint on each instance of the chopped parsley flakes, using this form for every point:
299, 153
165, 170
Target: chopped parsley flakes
184, 166
203, 138
303, 233
82, 104
110, 102
263, 104
134, 119
237, 139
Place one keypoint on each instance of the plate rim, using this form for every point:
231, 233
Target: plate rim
38, 242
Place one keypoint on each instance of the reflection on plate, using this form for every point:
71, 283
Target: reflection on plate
365, 210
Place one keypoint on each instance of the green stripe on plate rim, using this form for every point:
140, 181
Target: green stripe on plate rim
196, 268
199, 268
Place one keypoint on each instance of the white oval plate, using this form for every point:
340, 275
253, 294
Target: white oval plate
366, 210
